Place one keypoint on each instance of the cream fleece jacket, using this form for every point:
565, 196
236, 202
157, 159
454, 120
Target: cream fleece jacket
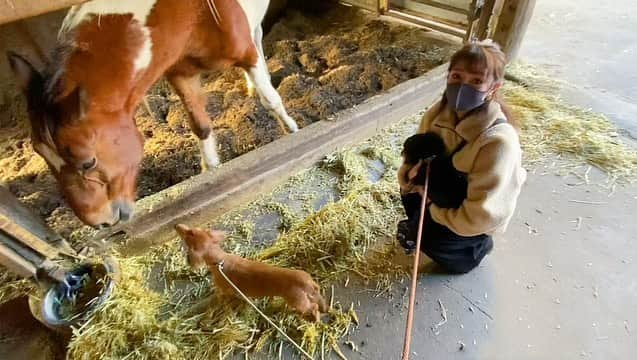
492, 160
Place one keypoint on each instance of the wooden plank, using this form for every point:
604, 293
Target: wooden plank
12, 10
421, 20
15, 263
432, 13
444, 6
371, 5
243, 179
27, 238
19, 222
512, 24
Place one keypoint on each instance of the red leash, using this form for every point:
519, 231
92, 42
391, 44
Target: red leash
414, 273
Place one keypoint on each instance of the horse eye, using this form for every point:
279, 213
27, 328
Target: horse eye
88, 165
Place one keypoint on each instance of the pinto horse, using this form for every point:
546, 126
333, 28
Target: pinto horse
110, 53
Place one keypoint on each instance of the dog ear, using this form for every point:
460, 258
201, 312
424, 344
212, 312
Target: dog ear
183, 230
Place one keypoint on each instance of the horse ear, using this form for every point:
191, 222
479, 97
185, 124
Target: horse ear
23, 71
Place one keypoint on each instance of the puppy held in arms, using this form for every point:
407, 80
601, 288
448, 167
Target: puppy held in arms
255, 279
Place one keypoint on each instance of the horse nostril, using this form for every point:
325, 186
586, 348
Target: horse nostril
101, 226
125, 211
124, 215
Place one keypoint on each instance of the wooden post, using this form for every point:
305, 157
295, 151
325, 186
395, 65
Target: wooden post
512, 24
485, 18
383, 6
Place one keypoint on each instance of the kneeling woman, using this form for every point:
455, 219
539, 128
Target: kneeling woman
482, 147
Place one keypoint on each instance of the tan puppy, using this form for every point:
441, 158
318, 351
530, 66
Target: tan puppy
255, 279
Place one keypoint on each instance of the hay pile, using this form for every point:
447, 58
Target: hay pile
154, 313
551, 127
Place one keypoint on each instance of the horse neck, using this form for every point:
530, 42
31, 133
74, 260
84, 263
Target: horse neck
116, 77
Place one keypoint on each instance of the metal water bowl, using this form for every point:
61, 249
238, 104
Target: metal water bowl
101, 277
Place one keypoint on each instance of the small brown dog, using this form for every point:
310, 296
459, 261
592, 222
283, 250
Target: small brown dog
255, 279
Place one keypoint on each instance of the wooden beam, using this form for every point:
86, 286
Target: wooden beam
15, 263
243, 179
512, 24
12, 10
443, 6
421, 20
27, 238
20, 223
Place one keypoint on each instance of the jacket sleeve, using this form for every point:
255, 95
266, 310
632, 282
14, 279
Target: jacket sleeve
490, 192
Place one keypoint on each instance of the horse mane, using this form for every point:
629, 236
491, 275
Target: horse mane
44, 93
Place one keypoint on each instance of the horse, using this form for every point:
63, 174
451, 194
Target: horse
109, 53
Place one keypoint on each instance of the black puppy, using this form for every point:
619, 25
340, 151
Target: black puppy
447, 186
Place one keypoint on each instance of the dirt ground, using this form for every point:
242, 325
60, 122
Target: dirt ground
320, 64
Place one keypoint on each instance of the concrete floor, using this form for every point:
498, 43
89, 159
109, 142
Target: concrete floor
592, 45
560, 284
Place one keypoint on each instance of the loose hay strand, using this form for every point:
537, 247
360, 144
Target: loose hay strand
550, 126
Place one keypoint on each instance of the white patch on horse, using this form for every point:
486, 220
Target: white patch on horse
50, 156
254, 11
80, 13
145, 55
209, 156
268, 95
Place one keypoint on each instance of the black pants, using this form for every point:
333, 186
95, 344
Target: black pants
456, 254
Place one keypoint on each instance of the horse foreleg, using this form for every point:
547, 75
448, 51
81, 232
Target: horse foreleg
194, 99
